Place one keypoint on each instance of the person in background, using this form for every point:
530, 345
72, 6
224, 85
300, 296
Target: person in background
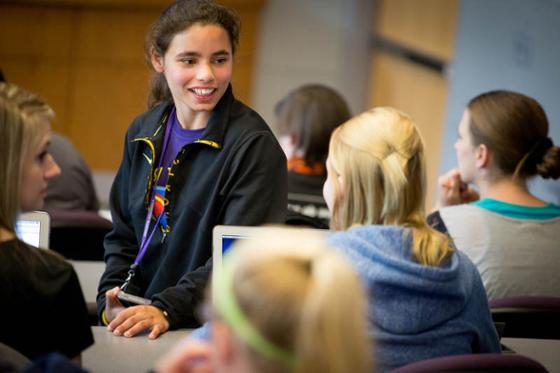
73, 189
305, 120
43, 307
510, 234
196, 159
314, 320
426, 298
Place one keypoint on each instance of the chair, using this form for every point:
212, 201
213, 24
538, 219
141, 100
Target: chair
474, 363
528, 316
78, 234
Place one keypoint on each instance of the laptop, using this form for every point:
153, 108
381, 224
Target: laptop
224, 236
33, 228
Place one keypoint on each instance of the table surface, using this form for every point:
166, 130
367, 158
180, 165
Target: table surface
139, 354
545, 351
120, 354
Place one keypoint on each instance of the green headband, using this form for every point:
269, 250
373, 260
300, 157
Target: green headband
226, 304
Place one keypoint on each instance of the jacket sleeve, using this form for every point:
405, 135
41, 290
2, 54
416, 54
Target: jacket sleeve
257, 190
254, 193
121, 245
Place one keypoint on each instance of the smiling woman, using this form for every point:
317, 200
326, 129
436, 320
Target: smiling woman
196, 159
198, 68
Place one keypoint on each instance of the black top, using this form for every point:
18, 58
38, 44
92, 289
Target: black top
305, 197
42, 306
235, 174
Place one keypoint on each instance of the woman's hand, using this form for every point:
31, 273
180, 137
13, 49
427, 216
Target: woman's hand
113, 305
133, 320
454, 191
190, 357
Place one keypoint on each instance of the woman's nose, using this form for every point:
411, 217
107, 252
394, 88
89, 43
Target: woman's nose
205, 73
52, 168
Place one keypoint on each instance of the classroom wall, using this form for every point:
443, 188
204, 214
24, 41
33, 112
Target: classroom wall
312, 41
86, 58
506, 44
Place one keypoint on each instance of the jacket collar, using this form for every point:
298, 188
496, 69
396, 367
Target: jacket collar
217, 124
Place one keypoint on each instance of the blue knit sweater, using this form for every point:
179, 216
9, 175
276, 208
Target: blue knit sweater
417, 312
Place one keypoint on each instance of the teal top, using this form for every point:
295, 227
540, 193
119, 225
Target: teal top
546, 212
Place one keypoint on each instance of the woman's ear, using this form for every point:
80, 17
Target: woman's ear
482, 155
157, 61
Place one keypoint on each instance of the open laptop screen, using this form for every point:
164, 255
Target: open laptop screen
33, 228
224, 236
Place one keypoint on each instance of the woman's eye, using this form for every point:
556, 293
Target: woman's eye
41, 157
221, 60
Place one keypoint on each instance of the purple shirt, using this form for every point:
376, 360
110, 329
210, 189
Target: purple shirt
178, 139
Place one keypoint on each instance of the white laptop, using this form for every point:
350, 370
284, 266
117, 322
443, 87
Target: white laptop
34, 228
224, 236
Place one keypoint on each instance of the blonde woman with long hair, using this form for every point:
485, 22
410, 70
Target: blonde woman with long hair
40, 291
427, 298
283, 302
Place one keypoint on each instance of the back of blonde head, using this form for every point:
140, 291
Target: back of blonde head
380, 156
22, 127
304, 298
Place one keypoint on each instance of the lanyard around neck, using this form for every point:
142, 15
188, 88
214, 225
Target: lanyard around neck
146, 234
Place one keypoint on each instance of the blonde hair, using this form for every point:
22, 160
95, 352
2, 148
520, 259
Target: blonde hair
22, 128
301, 297
380, 156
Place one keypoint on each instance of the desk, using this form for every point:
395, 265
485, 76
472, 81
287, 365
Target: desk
120, 354
545, 351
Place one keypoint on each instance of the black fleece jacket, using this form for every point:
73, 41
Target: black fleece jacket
235, 174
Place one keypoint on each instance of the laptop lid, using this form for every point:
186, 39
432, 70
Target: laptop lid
224, 236
34, 228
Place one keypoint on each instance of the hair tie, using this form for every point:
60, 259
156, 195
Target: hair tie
540, 148
547, 143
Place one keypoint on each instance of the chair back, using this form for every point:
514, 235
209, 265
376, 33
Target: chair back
528, 316
79, 234
474, 363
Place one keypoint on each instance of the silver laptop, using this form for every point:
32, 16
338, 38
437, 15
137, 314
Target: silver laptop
224, 236
34, 228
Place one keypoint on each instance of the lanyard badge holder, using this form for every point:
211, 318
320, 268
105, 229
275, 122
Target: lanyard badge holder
156, 206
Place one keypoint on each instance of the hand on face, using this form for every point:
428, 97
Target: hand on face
454, 191
131, 321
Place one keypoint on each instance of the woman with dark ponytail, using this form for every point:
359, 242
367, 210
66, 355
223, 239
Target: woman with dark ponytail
510, 234
196, 159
